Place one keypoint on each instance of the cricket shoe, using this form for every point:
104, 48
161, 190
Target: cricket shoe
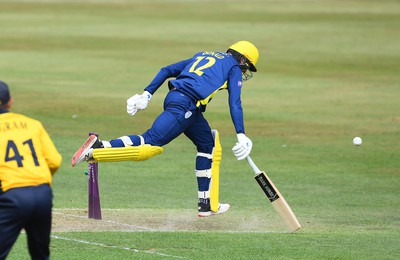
205, 209
85, 152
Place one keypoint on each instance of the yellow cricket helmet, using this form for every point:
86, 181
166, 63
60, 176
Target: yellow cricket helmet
248, 50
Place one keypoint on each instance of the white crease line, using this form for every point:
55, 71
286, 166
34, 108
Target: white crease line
107, 221
115, 247
85, 209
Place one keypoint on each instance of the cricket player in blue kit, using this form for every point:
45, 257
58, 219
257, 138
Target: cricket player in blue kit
195, 81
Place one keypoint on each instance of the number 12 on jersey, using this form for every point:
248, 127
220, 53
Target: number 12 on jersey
199, 69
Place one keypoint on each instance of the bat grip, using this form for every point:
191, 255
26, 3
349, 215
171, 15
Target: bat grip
253, 165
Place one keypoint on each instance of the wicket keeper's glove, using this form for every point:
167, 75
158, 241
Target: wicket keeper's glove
137, 103
243, 147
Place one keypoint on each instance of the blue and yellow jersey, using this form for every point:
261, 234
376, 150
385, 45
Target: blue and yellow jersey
28, 156
202, 76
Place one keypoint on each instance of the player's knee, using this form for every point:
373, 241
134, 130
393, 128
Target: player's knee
207, 149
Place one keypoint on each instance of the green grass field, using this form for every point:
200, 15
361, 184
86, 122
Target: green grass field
328, 71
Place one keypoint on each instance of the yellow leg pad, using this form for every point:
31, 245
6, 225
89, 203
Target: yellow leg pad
129, 153
216, 161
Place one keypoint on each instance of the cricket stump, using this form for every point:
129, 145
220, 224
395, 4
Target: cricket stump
93, 189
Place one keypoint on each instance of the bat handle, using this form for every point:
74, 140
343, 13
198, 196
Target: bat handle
253, 165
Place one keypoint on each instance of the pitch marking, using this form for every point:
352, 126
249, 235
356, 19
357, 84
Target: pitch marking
115, 247
107, 221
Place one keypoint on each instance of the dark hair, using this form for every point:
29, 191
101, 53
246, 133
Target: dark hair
237, 56
4, 94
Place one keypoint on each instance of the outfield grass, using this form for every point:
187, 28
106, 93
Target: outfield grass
328, 71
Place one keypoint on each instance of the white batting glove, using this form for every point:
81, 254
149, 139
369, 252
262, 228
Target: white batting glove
137, 103
243, 147
131, 108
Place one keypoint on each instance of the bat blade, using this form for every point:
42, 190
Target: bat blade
278, 201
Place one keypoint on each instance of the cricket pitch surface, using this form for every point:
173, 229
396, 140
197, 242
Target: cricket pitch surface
139, 220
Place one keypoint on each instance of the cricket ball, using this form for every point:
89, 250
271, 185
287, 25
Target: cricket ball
357, 140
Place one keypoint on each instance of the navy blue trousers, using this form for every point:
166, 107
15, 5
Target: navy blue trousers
26, 208
180, 115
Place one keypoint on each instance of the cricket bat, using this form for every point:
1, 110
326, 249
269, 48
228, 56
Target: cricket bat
275, 197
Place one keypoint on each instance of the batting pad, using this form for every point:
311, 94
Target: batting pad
129, 153
217, 156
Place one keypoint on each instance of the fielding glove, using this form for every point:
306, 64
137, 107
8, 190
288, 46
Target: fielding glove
243, 147
137, 103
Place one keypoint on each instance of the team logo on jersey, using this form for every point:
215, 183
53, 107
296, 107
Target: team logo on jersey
239, 83
188, 114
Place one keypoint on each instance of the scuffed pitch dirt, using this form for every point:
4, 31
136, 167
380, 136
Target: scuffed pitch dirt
135, 220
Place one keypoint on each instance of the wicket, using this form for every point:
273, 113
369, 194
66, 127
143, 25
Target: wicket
93, 190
